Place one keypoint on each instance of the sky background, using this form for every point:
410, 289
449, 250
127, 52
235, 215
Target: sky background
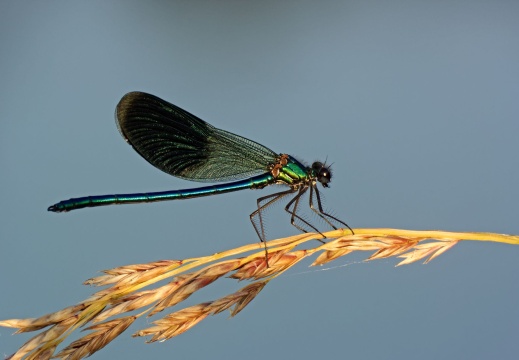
414, 102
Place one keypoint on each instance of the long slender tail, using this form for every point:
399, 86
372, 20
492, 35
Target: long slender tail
103, 200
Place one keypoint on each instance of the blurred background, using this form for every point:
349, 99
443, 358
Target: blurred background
414, 102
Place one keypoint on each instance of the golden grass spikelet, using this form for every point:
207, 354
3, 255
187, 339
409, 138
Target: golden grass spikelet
26, 325
182, 293
176, 323
43, 353
246, 295
133, 274
133, 302
238, 299
278, 261
183, 320
431, 250
130, 288
46, 338
129, 269
102, 334
330, 255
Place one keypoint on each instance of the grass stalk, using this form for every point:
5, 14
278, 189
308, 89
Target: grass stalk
130, 288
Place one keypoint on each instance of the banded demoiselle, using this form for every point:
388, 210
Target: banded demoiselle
187, 147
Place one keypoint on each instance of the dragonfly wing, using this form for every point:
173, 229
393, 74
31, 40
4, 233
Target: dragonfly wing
185, 146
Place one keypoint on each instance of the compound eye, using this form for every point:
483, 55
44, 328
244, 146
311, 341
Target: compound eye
322, 173
324, 176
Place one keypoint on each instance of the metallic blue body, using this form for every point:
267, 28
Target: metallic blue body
293, 174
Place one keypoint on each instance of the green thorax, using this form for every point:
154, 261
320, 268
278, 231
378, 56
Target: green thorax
293, 172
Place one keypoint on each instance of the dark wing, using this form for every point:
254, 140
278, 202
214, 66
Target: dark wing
185, 146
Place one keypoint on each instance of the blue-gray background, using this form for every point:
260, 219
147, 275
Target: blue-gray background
415, 103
